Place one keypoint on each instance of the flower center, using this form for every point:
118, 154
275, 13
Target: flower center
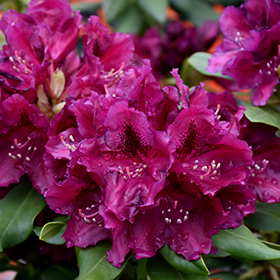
172, 213
20, 64
112, 76
190, 140
91, 215
131, 142
25, 148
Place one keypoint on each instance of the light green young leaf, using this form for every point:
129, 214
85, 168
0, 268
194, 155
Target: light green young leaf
191, 267
52, 232
18, 210
265, 114
159, 269
241, 242
199, 61
94, 265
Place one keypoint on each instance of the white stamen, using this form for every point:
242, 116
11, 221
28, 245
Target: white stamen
179, 221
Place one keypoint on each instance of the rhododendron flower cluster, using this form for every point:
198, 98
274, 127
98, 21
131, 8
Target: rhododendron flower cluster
178, 42
250, 50
125, 159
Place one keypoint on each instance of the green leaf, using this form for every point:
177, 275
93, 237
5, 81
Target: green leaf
18, 210
263, 219
85, 7
191, 267
265, 114
271, 208
94, 265
154, 8
114, 8
181, 6
52, 232
200, 11
199, 61
142, 272
60, 272
130, 22
241, 242
159, 269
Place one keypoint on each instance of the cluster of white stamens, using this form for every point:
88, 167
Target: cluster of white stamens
239, 39
19, 151
21, 64
113, 76
183, 216
91, 218
132, 173
71, 147
209, 170
271, 66
256, 169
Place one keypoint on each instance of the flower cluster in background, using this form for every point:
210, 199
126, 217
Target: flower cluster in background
125, 158
250, 50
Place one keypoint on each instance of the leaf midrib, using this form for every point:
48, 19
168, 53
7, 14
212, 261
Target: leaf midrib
9, 224
254, 241
93, 267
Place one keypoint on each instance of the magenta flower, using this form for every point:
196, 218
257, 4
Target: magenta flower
177, 43
134, 157
79, 196
184, 220
249, 52
265, 173
23, 136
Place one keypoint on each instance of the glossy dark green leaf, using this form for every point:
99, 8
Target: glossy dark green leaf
114, 8
17, 212
271, 208
199, 61
265, 114
263, 220
241, 242
52, 232
154, 8
142, 271
159, 269
60, 272
191, 267
94, 265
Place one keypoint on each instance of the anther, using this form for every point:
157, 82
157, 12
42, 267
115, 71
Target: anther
19, 155
71, 138
27, 159
195, 167
179, 221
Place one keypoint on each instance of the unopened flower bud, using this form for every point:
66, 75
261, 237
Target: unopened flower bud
58, 107
57, 84
43, 102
